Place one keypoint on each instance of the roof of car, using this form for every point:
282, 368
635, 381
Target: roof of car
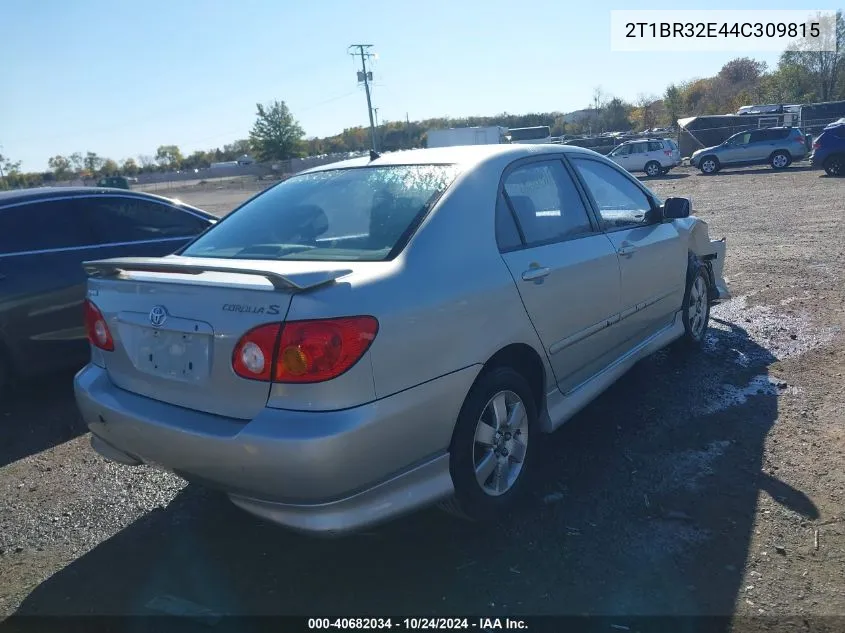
464, 155
35, 194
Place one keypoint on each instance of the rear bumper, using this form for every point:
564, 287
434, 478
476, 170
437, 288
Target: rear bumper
817, 159
324, 472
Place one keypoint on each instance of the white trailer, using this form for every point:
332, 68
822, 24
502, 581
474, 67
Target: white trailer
490, 135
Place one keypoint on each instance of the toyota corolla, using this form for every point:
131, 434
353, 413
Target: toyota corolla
375, 336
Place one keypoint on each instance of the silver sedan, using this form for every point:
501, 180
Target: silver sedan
375, 336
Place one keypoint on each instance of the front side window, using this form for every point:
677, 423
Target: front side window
622, 150
546, 203
353, 214
42, 226
620, 202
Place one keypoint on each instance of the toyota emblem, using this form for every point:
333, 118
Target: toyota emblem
158, 315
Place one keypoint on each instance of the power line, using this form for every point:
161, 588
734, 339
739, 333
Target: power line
366, 77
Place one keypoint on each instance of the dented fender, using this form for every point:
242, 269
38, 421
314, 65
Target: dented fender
711, 252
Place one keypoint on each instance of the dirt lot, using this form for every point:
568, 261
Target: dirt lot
710, 484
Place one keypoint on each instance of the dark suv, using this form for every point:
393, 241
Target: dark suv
829, 150
775, 146
45, 235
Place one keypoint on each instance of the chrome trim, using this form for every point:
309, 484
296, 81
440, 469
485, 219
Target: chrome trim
109, 245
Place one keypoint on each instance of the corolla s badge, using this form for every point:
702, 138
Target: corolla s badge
158, 315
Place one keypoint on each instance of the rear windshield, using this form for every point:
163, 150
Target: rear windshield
356, 214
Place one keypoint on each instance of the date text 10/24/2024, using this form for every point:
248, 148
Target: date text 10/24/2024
418, 624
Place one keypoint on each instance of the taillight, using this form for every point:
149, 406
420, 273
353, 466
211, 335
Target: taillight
303, 351
253, 355
816, 145
96, 327
799, 139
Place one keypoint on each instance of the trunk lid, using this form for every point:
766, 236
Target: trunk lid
176, 320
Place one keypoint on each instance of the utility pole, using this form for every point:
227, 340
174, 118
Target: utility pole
366, 76
378, 135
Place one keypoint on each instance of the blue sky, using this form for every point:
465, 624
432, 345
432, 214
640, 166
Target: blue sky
122, 78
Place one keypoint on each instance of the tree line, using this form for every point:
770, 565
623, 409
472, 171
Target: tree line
801, 76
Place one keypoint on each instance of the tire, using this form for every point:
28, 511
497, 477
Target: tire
483, 498
780, 160
695, 310
835, 165
709, 165
653, 168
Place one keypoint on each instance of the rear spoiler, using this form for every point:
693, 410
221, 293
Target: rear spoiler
297, 282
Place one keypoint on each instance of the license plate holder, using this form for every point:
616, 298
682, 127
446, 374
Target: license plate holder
172, 354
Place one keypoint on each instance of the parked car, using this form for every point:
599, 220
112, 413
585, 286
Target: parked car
829, 150
654, 156
45, 235
776, 146
371, 337
114, 182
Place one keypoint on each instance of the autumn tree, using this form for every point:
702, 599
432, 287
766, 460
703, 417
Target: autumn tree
92, 162
614, 116
109, 167
825, 67
673, 101
276, 135
169, 156
77, 162
61, 166
129, 167
645, 111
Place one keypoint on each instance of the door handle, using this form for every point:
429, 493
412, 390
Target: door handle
533, 274
630, 249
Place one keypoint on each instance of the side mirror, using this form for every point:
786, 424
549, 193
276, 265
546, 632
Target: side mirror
675, 208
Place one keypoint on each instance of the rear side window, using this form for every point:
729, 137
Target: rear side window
42, 226
117, 220
655, 146
546, 203
507, 233
773, 135
353, 214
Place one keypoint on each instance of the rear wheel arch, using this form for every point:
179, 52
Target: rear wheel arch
525, 360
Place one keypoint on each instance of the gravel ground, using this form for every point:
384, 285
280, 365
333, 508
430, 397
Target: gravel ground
710, 484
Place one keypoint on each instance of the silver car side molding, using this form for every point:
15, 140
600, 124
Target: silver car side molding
560, 406
607, 322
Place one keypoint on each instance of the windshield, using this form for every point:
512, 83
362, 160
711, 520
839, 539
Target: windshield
355, 214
